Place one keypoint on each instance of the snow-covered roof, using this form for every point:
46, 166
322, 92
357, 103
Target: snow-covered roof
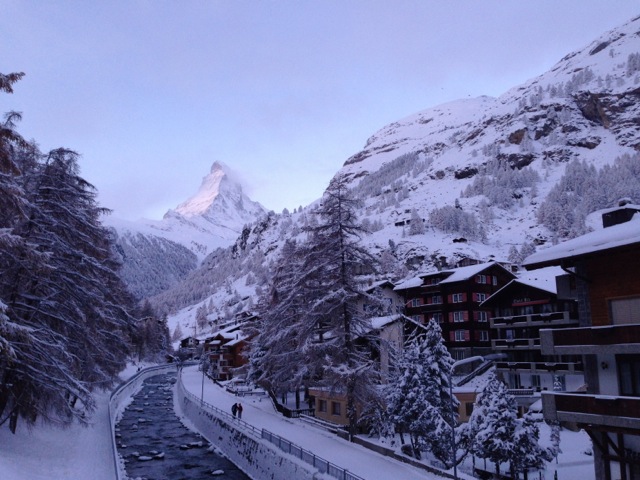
464, 273
543, 279
411, 283
379, 322
605, 239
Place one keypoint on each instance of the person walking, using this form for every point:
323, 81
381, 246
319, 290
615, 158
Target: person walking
234, 409
239, 409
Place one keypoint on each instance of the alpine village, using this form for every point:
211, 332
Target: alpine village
463, 301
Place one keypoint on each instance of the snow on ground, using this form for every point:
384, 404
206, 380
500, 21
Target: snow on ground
45, 452
572, 463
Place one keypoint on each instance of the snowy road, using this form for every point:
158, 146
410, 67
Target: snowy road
259, 412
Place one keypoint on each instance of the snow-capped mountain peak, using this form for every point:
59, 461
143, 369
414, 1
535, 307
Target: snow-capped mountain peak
209, 190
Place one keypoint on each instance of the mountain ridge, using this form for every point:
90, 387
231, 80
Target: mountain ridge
485, 175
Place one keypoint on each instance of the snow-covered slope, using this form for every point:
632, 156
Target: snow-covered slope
157, 254
492, 178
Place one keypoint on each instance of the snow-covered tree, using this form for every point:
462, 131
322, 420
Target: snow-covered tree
492, 424
416, 227
277, 358
68, 326
418, 398
334, 260
527, 453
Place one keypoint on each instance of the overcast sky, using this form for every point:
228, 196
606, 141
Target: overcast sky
151, 93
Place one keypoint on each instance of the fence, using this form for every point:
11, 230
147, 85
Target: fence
323, 466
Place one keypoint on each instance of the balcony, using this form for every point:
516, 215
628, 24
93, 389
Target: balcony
597, 411
516, 344
611, 339
534, 320
564, 368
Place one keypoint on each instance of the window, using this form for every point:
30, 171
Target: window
481, 279
625, 310
459, 335
458, 316
436, 299
438, 317
495, 280
322, 405
483, 316
415, 302
457, 298
483, 336
335, 408
535, 381
481, 297
468, 406
629, 374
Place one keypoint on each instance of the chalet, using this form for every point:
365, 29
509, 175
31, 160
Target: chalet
519, 310
603, 266
453, 298
227, 350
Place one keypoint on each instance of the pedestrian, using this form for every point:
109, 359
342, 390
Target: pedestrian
234, 409
239, 408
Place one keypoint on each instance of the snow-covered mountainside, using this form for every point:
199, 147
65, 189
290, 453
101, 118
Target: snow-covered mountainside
157, 254
484, 178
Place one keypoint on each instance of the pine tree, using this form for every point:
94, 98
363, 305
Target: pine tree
277, 359
419, 400
416, 227
527, 453
492, 424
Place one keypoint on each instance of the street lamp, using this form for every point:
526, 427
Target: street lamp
485, 358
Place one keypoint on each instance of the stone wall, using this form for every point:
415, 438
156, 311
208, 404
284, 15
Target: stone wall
254, 456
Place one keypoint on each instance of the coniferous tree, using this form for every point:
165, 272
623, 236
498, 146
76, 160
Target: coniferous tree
277, 358
492, 424
65, 325
418, 398
333, 262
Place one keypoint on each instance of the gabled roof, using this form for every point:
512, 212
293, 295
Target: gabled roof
411, 283
465, 273
616, 236
544, 280
452, 275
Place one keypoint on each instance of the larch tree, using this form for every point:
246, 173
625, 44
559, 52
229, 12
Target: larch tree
65, 319
343, 344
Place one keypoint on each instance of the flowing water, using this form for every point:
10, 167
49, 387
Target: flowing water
155, 445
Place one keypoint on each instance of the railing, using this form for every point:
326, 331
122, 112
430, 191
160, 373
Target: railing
587, 340
324, 466
542, 319
516, 343
599, 410
532, 367
290, 412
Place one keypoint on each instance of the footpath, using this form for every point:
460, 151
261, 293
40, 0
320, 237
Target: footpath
259, 413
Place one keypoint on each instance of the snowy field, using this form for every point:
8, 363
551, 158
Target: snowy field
85, 453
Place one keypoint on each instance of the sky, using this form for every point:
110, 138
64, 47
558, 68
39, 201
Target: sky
151, 93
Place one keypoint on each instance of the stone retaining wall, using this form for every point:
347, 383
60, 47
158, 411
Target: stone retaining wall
255, 457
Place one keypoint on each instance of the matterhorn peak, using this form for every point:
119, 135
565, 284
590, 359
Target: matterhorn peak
220, 203
208, 192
